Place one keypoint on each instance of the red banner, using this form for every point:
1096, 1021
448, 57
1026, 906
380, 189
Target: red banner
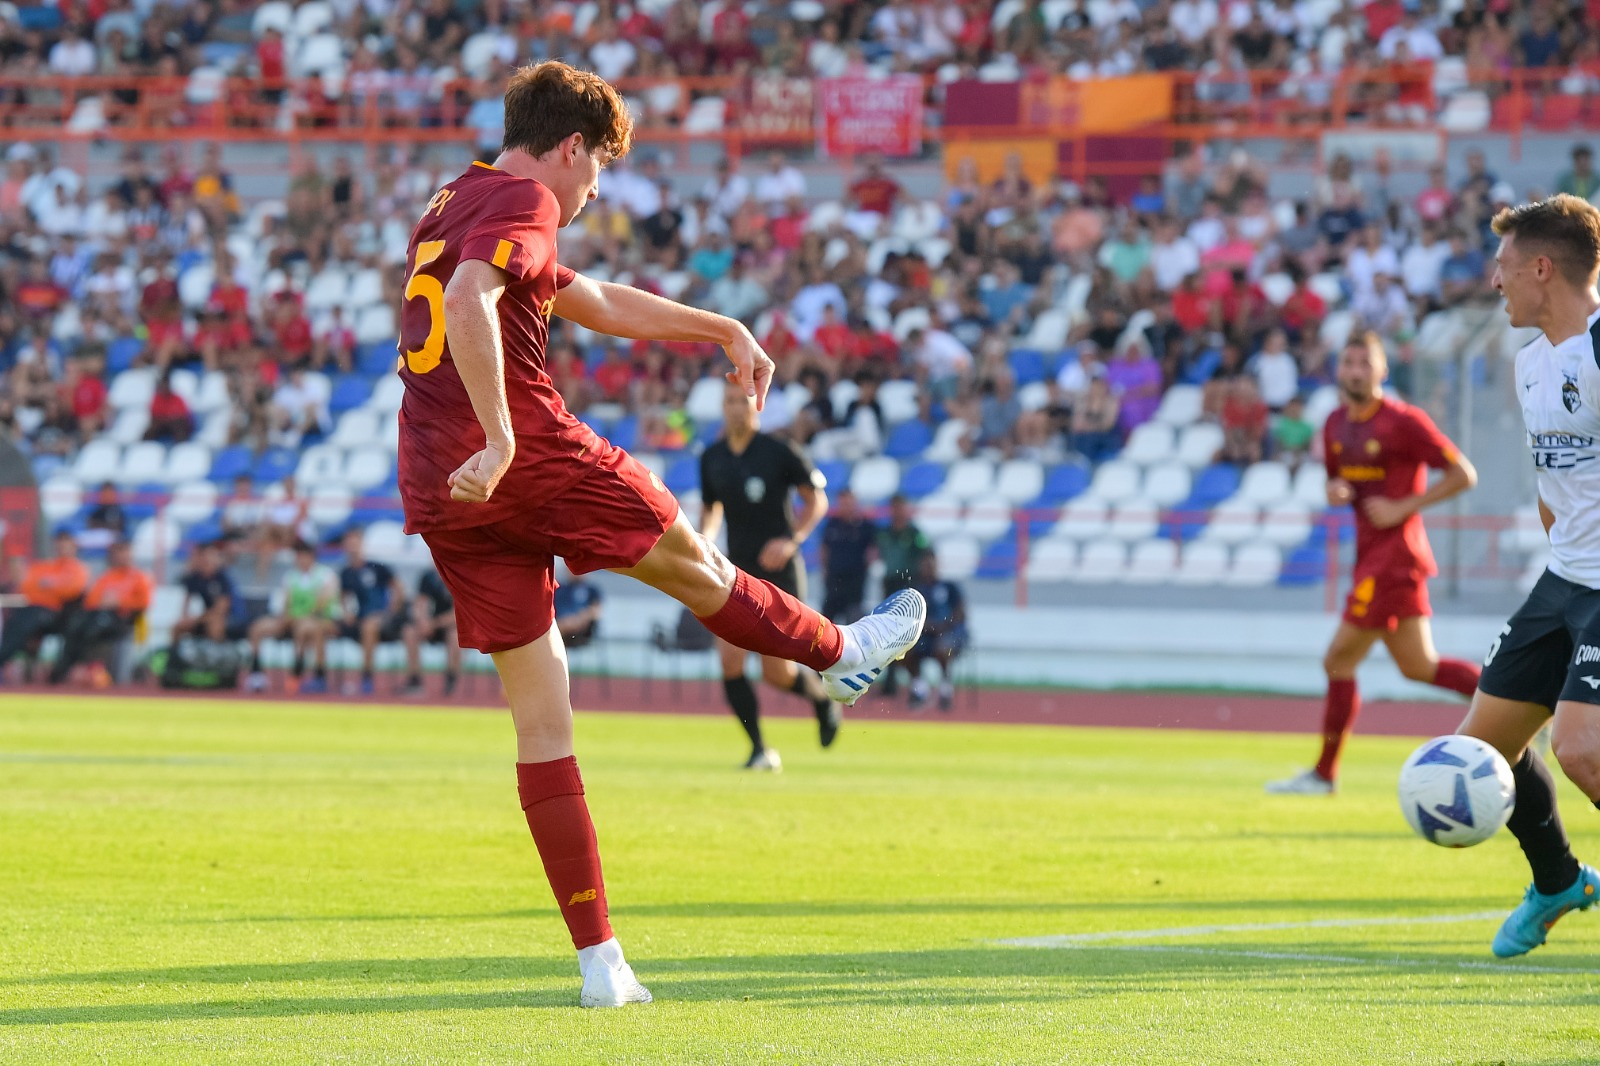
779, 107
858, 116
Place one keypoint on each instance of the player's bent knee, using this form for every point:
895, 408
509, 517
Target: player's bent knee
1419, 671
1580, 761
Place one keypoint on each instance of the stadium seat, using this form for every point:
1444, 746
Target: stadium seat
899, 401
192, 501
624, 433
142, 463
1234, 521
1466, 111
1167, 485
1028, 365
908, 440
387, 394
216, 429
921, 479
1020, 481
97, 461
835, 472
1116, 480
1323, 402
938, 515
194, 285
366, 289
1277, 287
130, 426
275, 464
231, 462
1049, 331
683, 475
328, 289
367, 469
1336, 329
166, 607
1063, 483
1286, 523
999, 560
320, 465
186, 383
704, 403
987, 518
1051, 559
384, 542
356, 429
1266, 483
1311, 485
1199, 444
186, 462
379, 358
1255, 563
970, 478
275, 15
1034, 397
947, 438
155, 539
1133, 520
60, 498
912, 318
875, 480
349, 391
1083, 519
1214, 484
1180, 406
121, 353
706, 433
708, 114
1152, 562
212, 395
1305, 565
1202, 562
958, 556
132, 388
329, 506
1101, 562
1150, 443
841, 396
374, 323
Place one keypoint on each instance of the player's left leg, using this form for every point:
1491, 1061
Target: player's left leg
1410, 645
1350, 645
807, 684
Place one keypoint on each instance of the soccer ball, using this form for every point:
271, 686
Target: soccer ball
1456, 791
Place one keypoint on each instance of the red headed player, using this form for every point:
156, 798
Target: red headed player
499, 478
1378, 452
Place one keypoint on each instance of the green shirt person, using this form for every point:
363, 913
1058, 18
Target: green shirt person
901, 546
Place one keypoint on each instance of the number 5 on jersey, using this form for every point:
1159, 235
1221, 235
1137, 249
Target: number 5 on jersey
426, 287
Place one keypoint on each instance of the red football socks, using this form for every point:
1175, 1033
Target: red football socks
552, 799
762, 618
1344, 703
1457, 675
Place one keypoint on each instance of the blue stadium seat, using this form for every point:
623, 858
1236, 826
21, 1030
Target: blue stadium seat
145, 501
1041, 520
378, 359
362, 517
231, 462
837, 473
704, 435
274, 465
121, 353
1062, 483
921, 479
625, 434
1203, 367
908, 440
1214, 484
1000, 558
1346, 519
1028, 365
349, 391
811, 550
595, 423
189, 257
1306, 565
42, 18
683, 475
203, 531
46, 465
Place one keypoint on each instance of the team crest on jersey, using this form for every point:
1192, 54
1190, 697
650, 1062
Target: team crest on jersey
1570, 399
755, 490
1372, 447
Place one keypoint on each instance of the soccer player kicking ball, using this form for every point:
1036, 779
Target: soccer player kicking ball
1547, 658
499, 477
1378, 451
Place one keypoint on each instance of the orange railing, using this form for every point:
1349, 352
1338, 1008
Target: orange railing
1204, 107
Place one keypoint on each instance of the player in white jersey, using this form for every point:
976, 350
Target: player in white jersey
1546, 661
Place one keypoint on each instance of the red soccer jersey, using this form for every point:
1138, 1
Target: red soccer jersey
510, 222
1387, 455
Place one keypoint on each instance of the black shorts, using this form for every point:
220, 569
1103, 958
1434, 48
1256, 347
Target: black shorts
391, 629
791, 579
1550, 649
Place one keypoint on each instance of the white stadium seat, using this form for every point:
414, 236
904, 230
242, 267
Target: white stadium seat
357, 428
212, 394
327, 290
704, 404
1168, 484
1034, 396
1311, 485
388, 394
969, 479
141, 463
216, 429
132, 388
186, 383
192, 501
1020, 480
366, 289
1255, 563
987, 517
187, 462
1134, 520
1233, 521
1286, 524
367, 469
1116, 480
375, 324
958, 556
938, 515
1152, 562
155, 538
166, 607
898, 401
60, 498
329, 505
875, 480
97, 461
130, 426
1321, 404
320, 465
1101, 561
1203, 562
1266, 483
1199, 444
1180, 406
1150, 443
841, 396
1051, 559
1083, 519
384, 541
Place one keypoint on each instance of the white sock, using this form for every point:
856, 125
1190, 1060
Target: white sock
608, 952
850, 654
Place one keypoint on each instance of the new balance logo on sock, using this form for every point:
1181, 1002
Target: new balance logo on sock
586, 896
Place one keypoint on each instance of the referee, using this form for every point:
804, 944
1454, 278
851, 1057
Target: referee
747, 476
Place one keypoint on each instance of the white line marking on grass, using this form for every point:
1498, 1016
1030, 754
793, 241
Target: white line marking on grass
1302, 956
1073, 939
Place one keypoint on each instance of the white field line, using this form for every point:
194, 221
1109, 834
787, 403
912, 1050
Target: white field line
1348, 960
1073, 939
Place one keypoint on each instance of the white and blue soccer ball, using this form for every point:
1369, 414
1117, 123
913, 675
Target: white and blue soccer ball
1456, 791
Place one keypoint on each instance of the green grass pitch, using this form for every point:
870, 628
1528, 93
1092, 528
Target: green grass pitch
192, 881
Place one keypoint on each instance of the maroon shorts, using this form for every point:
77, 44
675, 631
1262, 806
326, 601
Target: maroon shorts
503, 575
1381, 601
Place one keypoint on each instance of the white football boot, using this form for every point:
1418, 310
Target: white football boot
766, 759
873, 643
1305, 783
608, 980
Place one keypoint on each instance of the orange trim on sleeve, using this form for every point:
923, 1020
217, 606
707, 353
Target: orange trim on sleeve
502, 254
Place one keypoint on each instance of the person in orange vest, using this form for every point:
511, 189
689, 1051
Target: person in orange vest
113, 606
53, 588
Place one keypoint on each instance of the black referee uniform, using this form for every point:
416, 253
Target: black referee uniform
754, 489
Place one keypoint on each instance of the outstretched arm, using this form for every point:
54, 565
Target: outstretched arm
623, 311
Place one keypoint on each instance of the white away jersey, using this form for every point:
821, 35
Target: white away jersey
1559, 387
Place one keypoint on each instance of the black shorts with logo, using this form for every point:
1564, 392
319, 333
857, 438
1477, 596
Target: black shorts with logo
1550, 649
